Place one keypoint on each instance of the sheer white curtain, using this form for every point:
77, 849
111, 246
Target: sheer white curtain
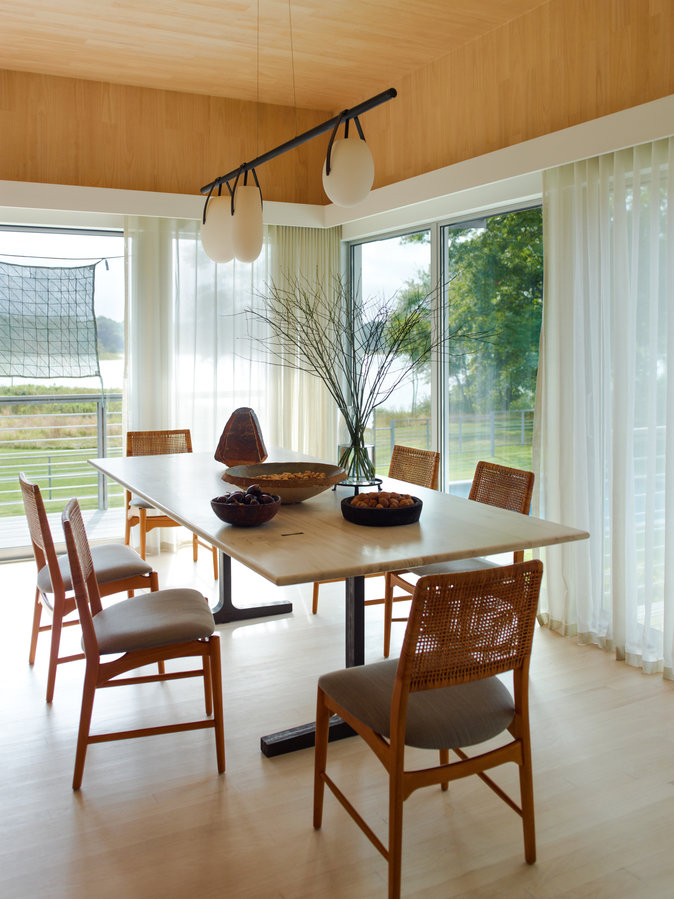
604, 457
303, 415
190, 357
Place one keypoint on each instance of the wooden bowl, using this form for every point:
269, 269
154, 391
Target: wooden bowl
381, 518
242, 516
267, 475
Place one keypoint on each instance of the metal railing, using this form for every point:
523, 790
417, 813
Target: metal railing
504, 435
50, 437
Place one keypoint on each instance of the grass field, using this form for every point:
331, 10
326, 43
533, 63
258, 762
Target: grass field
54, 452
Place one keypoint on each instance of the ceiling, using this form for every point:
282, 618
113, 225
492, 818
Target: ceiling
343, 50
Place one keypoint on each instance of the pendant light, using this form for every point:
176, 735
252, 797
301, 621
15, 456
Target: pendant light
247, 230
216, 227
348, 171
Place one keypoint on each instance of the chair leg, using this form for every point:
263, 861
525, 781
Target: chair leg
143, 532
216, 685
444, 760
208, 686
37, 616
320, 756
395, 833
195, 548
314, 599
127, 529
88, 693
388, 612
215, 562
527, 797
56, 628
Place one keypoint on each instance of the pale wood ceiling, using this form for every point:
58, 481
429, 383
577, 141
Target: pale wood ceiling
344, 50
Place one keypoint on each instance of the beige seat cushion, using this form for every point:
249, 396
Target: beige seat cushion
112, 562
154, 619
450, 717
454, 567
138, 503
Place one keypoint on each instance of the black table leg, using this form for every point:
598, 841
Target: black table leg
304, 736
226, 611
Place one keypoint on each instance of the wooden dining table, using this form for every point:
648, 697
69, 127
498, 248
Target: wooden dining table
311, 541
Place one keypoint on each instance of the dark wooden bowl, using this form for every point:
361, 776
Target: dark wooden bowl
242, 516
381, 518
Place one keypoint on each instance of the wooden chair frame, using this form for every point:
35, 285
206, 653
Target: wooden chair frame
100, 674
494, 485
146, 443
416, 466
443, 647
62, 602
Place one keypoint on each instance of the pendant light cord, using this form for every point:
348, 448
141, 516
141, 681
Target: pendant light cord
292, 64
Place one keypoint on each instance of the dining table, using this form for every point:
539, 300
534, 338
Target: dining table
311, 541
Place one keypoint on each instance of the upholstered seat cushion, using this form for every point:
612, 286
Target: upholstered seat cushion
112, 562
446, 718
454, 567
138, 503
154, 619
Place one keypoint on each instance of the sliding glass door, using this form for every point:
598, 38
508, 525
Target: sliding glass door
475, 400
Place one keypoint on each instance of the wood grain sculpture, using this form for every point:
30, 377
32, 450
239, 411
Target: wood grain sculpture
241, 442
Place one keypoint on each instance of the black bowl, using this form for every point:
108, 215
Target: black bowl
242, 516
381, 518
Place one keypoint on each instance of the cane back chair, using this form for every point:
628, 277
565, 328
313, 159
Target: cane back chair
443, 694
493, 484
141, 513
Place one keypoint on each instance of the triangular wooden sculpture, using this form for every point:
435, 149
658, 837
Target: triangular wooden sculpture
241, 442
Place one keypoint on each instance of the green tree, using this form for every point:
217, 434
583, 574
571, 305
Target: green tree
110, 336
495, 282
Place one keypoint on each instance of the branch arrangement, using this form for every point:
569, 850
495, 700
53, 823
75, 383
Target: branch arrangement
361, 352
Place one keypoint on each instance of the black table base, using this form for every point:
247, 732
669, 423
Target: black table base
226, 611
304, 735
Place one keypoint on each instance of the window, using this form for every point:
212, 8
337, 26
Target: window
44, 432
478, 402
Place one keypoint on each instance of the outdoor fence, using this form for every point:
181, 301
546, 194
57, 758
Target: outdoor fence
50, 438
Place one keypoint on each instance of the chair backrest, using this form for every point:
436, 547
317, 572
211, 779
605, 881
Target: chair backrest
85, 585
469, 625
156, 443
40, 532
416, 466
498, 485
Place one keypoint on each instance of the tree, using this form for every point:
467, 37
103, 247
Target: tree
495, 281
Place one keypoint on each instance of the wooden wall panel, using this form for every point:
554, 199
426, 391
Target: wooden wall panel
566, 62
67, 131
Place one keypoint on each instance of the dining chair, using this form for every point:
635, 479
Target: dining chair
416, 466
169, 624
118, 568
494, 485
141, 513
443, 693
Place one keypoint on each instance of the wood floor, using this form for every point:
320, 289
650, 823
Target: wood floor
154, 819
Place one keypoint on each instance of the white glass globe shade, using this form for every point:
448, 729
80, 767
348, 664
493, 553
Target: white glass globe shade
247, 222
351, 172
216, 234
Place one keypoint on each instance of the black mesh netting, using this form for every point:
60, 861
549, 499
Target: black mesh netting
47, 323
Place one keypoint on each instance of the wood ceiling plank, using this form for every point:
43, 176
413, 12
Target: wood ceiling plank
343, 52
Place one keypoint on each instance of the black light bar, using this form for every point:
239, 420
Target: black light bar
344, 116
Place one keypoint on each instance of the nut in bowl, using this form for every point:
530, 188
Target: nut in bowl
381, 509
292, 481
246, 509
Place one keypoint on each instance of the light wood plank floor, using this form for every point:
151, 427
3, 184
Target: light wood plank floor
154, 819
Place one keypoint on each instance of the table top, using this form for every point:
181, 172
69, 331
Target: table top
311, 541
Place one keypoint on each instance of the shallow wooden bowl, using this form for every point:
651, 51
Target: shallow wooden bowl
266, 474
242, 516
381, 518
